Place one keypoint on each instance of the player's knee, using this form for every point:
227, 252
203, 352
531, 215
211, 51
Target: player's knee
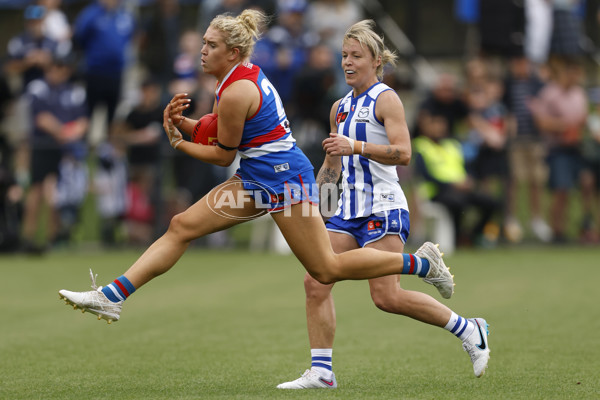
323, 276
326, 271
315, 289
390, 301
178, 227
381, 301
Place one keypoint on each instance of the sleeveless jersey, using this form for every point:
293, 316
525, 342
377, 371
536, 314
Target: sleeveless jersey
268, 150
368, 187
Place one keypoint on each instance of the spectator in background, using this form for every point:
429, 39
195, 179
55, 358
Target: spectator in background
538, 30
60, 122
590, 176
104, 31
56, 25
566, 37
11, 193
110, 186
330, 19
560, 112
11, 196
71, 188
186, 64
488, 136
139, 212
446, 99
30, 52
160, 33
6, 97
283, 50
141, 133
439, 162
526, 150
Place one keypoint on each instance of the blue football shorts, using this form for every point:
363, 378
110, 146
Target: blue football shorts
374, 227
276, 197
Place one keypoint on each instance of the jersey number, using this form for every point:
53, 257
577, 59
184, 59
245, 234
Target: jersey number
268, 88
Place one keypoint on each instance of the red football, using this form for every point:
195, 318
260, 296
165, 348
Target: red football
205, 131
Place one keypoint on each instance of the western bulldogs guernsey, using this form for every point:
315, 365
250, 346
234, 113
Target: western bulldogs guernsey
368, 186
268, 151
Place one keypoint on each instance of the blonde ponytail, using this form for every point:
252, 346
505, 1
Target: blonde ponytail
241, 32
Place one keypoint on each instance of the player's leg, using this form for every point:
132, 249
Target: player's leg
388, 295
321, 323
305, 232
226, 205
218, 210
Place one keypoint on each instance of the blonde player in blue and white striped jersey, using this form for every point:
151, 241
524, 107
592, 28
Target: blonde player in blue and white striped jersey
369, 139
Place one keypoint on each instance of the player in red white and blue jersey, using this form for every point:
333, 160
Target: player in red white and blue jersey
274, 175
268, 151
369, 139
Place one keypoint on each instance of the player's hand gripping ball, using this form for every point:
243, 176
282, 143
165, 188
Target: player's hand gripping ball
205, 131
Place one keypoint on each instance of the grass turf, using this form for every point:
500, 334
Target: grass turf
231, 325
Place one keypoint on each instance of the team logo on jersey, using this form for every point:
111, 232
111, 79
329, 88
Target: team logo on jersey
341, 117
281, 167
363, 112
387, 197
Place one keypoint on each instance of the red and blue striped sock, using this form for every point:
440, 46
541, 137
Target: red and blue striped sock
415, 265
118, 290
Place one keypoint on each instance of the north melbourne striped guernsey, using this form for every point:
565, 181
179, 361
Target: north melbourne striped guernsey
368, 186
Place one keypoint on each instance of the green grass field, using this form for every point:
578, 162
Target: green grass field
231, 325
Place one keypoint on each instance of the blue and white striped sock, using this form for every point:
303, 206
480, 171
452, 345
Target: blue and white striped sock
415, 265
459, 326
321, 362
119, 290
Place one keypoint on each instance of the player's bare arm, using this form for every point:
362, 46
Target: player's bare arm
332, 165
390, 111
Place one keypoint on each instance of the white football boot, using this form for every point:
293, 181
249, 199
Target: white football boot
476, 344
310, 380
94, 302
438, 275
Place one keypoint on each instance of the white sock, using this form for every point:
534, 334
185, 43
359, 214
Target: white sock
459, 326
321, 362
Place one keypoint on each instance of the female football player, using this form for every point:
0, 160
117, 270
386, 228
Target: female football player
372, 210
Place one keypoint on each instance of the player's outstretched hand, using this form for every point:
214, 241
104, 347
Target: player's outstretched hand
178, 104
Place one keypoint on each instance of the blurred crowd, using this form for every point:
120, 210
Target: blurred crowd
509, 144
